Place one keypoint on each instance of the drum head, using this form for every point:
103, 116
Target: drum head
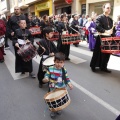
48, 61
55, 94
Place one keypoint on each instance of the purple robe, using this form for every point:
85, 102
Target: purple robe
118, 29
92, 40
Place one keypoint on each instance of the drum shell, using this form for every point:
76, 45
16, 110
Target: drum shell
45, 66
110, 45
58, 98
70, 38
28, 53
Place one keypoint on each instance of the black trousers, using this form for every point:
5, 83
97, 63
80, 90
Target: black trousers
99, 59
41, 73
6, 40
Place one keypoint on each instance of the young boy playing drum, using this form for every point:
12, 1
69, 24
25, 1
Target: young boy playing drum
54, 76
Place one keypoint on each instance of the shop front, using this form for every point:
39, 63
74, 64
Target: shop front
43, 8
61, 6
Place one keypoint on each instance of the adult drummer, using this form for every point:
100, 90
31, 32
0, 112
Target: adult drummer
63, 26
22, 36
104, 25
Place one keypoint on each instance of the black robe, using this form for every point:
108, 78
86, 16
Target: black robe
52, 48
20, 65
61, 47
100, 59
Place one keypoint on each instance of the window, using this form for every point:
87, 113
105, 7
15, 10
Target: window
83, 9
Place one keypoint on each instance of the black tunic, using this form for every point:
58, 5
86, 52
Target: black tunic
20, 65
100, 59
50, 47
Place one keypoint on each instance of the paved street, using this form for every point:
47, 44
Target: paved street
95, 95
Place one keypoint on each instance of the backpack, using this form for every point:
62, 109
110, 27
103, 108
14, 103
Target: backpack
2, 27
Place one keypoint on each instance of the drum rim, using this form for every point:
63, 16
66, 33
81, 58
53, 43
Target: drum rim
53, 99
47, 58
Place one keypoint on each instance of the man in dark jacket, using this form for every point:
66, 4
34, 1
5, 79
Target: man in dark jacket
13, 21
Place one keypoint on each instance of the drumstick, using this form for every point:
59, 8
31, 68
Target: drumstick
74, 29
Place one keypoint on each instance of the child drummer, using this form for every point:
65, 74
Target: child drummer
47, 48
57, 77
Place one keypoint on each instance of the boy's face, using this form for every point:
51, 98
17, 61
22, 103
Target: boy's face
22, 24
50, 35
59, 64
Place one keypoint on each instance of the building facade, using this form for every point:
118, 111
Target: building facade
49, 7
45, 7
4, 8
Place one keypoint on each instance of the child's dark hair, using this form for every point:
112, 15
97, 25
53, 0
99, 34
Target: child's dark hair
59, 56
47, 30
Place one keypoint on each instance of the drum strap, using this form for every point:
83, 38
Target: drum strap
63, 76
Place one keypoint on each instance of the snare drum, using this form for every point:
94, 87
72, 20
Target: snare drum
55, 36
27, 52
57, 100
110, 45
70, 38
35, 30
49, 61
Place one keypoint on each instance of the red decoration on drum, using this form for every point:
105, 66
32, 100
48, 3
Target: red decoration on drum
68, 1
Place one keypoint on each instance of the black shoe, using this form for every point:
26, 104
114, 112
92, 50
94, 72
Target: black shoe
22, 73
1, 61
93, 69
53, 115
76, 45
4, 53
67, 58
59, 112
40, 85
106, 70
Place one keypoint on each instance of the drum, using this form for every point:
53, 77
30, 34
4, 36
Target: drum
27, 52
55, 36
70, 38
57, 100
110, 45
2, 41
35, 30
49, 61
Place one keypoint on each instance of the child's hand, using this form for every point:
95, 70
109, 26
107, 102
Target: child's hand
51, 54
45, 80
70, 86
